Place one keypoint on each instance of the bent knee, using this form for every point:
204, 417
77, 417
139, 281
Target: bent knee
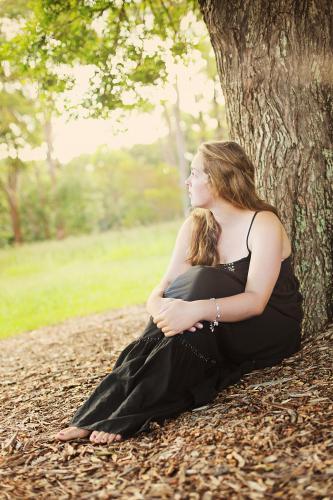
213, 282
203, 282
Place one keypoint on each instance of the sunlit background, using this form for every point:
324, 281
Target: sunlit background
74, 137
90, 207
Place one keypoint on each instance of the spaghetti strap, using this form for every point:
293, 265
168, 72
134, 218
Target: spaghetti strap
255, 213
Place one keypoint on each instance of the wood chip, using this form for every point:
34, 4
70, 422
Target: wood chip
268, 436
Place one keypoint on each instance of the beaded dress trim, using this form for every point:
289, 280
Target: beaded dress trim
230, 266
194, 351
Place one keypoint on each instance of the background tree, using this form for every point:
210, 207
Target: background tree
18, 127
26, 119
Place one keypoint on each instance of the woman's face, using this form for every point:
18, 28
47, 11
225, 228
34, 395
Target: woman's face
198, 185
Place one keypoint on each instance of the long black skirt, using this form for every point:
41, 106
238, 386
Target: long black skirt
157, 377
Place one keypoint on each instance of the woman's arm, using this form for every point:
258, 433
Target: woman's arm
264, 270
154, 301
177, 265
234, 308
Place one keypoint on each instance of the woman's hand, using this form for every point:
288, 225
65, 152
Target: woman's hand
175, 316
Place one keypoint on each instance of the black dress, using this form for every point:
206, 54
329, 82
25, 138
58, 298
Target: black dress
157, 377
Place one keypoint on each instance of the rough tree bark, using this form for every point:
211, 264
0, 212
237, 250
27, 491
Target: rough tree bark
275, 63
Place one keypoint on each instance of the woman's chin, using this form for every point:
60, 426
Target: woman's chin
198, 204
195, 203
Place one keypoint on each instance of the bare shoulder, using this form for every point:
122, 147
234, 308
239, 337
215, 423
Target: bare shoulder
187, 223
267, 217
264, 223
185, 231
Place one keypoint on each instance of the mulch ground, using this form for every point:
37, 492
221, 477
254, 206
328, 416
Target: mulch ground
268, 436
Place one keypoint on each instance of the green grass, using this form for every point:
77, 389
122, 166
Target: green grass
47, 282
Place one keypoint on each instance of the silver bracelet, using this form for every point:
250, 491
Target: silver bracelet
218, 316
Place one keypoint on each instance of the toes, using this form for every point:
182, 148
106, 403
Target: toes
68, 433
114, 437
72, 432
93, 436
98, 437
104, 437
110, 438
62, 434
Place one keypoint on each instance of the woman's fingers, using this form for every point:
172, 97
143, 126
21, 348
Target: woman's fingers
162, 325
194, 327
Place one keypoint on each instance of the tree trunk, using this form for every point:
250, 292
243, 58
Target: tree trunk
52, 166
44, 202
274, 61
202, 134
181, 150
169, 143
49, 149
10, 190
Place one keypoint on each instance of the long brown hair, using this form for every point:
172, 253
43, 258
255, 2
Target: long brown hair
231, 177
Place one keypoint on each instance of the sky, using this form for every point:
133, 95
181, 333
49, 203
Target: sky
74, 137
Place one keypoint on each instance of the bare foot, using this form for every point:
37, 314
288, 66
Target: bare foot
104, 437
72, 433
